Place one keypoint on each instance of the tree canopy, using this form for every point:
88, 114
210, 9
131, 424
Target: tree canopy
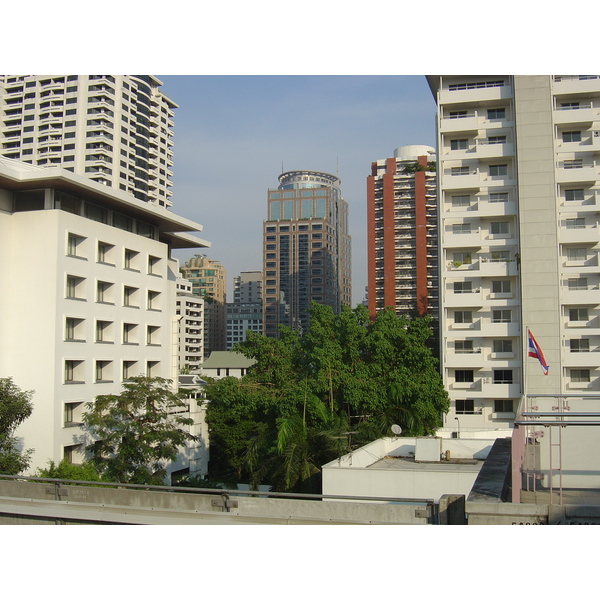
137, 431
346, 378
15, 407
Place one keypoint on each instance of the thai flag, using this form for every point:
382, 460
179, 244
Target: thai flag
536, 352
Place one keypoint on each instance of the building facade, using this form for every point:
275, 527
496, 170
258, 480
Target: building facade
402, 233
519, 204
245, 312
100, 306
114, 129
306, 249
190, 313
208, 278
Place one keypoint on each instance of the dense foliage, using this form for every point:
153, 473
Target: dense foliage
309, 397
65, 470
15, 407
137, 431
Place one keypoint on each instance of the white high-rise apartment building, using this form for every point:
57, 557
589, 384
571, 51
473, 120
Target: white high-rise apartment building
190, 313
88, 297
114, 129
519, 197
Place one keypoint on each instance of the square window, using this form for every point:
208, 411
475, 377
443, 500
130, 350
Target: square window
578, 314
463, 347
501, 286
498, 196
152, 335
503, 376
498, 170
578, 283
72, 413
461, 144
577, 223
130, 333
571, 136
459, 171
465, 407
499, 227
496, 113
74, 245
129, 369
463, 375
131, 260
462, 201
577, 254
130, 296
461, 228
74, 329
105, 253
104, 292
75, 287
580, 375
463, 287
74, 371
503, 406
501, 316
582, 345
574, 195
104, 331
502, 346
103, 370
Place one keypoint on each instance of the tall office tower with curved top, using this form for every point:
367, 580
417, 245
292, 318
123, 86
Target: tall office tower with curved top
113, 129
306, 249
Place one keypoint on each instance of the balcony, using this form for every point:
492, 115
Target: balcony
467, 299
500, 329
500, 390
580, 359
475, 94
471, 239
486, 208
463, 360
585, 113
454, 180
574, 84
571, 172
498, 268
581, 235
583, 297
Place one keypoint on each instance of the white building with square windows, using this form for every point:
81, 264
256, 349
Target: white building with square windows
88, 296
519, 204
190, 320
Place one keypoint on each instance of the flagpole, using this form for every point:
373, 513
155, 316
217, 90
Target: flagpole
525, 345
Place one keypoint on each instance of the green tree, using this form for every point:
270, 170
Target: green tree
137, 431
86, 471
15, 407
307, 394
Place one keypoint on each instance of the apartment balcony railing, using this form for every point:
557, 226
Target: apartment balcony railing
476, 92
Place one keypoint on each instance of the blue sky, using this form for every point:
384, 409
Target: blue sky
234, 133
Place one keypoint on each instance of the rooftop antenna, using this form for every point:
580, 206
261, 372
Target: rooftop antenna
396, 429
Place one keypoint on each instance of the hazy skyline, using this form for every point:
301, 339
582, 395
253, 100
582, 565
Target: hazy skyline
234, 135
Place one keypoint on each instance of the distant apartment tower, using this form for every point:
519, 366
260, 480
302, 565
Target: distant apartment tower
105, 307
190, 316
245, 312
114, 129
306, 249
519, 208
402, 233
208, 278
